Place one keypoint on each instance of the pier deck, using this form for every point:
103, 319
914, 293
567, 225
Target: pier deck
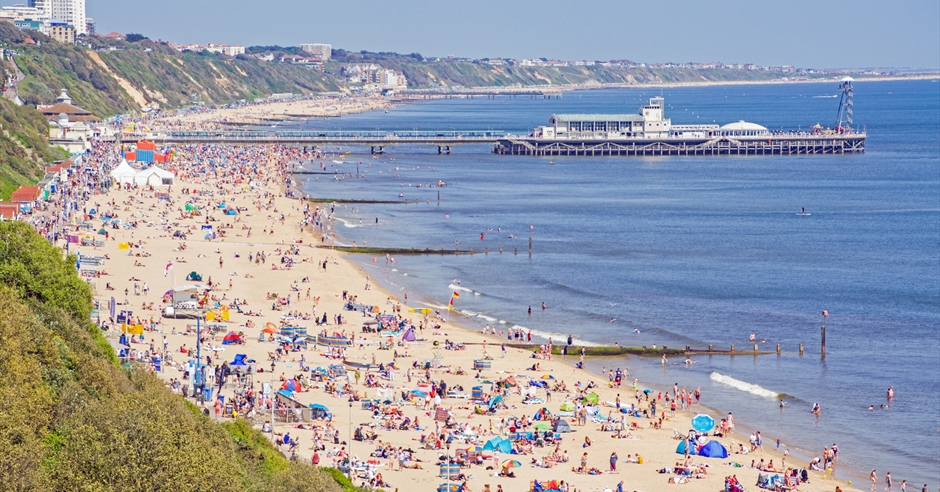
785, 144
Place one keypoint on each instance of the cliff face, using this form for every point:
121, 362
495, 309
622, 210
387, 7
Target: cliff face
112, 77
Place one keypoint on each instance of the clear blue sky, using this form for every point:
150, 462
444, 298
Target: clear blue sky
805, 33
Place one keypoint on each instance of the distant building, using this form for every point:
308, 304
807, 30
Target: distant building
63, 105
62, 33
318, 50
90, 26
70, 11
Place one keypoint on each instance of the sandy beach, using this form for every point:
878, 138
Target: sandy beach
266, 254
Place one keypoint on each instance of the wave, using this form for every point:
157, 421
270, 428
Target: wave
338, 162
557, 338
464, 289
825, 97
743, 386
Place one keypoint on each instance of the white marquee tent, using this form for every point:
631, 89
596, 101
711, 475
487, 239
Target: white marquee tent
124, 173
154, 176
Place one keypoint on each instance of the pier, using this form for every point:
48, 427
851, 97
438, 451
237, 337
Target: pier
784, 144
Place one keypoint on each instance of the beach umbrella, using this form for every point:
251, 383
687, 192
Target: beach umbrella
419, 393
703, 423
511, 464
496, 400
567, 406
102, 232
548, 376
592, 399
541, 426
270, 328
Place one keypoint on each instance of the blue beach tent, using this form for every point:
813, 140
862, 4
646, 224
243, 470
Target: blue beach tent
680, 449
713, 449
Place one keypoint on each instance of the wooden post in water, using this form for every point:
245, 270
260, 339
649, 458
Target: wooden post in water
755, 348
438, 198
823, 338
732, 350
801, 350
530, 245
778, 350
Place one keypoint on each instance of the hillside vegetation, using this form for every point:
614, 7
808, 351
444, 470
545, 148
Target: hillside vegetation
118, 76
75, 419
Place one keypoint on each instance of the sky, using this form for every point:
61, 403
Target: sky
803, 33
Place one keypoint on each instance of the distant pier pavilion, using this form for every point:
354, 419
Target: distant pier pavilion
648, 132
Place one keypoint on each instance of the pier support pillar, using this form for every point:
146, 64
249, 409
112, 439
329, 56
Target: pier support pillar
732, 350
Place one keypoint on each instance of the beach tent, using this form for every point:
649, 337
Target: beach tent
713, 449
503, 445
496, 400
567, 406
320, 412
239, 360
680, 449
703, 423
231, 338
292, 385
561, 425
591, 399
269, 328
409, 335
124, 173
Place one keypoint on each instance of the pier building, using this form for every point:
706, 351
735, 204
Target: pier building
649, 132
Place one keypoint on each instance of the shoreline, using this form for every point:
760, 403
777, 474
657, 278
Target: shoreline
801, 457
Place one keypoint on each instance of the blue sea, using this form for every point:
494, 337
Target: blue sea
692, 251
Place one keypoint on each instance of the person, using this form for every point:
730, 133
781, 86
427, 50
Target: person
613, 461
530, 309
888, 486
874, 480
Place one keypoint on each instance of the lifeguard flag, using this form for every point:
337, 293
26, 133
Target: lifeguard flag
456, 295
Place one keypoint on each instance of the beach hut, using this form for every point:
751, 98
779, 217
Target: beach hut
713, 449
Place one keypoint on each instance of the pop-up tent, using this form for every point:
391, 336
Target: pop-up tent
561, 425
124, 173
503, 445
239, 360
681, 447
713, 449
292, 385
409, 335
231, 338
318, 411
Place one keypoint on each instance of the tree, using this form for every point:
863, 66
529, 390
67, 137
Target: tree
135, 37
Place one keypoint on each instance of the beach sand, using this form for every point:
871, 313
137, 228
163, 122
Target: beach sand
238, 277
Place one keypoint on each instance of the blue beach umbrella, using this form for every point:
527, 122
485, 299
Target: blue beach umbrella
703, 423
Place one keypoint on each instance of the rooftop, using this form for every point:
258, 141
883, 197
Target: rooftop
598, 117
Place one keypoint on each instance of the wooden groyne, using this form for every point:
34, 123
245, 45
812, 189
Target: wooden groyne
356, 200
399, 251
607, 351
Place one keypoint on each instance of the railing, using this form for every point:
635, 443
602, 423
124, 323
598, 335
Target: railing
483, 135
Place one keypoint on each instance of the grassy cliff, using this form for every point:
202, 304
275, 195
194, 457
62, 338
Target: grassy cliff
109, 77
75, 419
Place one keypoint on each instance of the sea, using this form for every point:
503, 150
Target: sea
688, 251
